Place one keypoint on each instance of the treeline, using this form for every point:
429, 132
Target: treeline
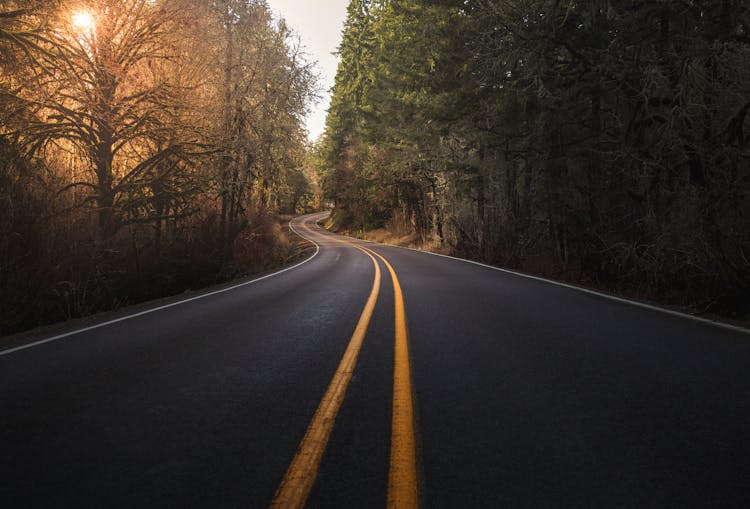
599, 142
146, 147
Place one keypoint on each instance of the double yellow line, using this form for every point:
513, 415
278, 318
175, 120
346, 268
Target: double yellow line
402, 478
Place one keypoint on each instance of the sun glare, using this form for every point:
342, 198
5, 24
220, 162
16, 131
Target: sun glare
83, 20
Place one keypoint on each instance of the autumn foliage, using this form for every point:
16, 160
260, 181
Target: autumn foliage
145, 148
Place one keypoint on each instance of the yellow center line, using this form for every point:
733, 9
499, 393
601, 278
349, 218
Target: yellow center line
300, 476
403, 489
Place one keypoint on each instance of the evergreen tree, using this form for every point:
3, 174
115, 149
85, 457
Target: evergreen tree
595, 141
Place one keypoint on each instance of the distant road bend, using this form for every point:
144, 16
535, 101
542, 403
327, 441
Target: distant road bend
375, 376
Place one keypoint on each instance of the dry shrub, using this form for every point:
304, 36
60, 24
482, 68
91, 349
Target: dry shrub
262, 244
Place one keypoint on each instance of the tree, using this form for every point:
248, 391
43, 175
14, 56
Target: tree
266, 86
133, 162
100, 91
592, 140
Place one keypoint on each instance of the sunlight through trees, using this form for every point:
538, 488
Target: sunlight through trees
139, 134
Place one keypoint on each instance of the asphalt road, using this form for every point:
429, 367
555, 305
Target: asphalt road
526, 394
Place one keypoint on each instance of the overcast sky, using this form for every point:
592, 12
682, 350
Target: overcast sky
319, 24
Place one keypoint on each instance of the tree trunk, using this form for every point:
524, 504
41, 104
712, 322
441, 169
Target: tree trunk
105, 192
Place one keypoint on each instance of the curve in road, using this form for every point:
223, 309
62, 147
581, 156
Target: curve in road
524, 393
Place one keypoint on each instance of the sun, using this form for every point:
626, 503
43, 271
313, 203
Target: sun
83, 20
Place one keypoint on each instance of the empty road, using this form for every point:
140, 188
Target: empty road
370, 375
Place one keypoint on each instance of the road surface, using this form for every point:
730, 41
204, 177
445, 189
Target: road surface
508, 392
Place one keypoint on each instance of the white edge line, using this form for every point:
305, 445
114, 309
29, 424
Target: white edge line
635, 303
165, 306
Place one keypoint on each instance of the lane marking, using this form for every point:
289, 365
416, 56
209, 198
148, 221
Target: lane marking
166, 306
596, 293
403, 487
300, 476
622, 300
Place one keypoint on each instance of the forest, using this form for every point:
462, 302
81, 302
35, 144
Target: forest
599, 142
147, 147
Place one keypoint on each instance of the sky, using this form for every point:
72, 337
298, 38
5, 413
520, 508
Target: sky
319, 24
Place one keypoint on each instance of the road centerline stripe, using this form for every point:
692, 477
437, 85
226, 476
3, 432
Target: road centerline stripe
299, 478
403, 487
